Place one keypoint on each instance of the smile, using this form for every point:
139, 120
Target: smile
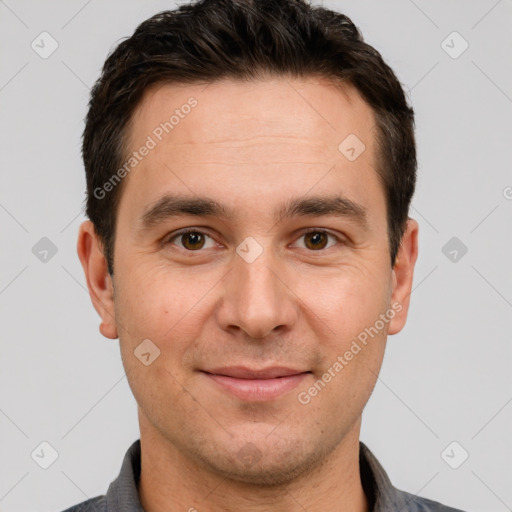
256, 386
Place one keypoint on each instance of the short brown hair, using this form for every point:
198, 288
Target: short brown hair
209, 40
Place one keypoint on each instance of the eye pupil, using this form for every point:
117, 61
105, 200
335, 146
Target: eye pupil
315, 237
194, 238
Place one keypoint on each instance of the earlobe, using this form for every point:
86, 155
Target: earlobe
99, 281
402, 276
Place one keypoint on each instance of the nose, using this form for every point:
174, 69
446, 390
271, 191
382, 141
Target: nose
257, 298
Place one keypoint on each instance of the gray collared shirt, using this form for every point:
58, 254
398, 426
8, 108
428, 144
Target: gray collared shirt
122, 495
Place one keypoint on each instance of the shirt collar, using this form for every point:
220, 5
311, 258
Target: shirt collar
381, 494
122, 494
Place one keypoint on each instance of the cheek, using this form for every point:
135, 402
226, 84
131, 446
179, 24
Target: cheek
151, 307
346, 311
346, 300
165, 307
152, 300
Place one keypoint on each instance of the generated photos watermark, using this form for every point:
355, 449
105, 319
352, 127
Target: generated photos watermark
151, 143
305, 397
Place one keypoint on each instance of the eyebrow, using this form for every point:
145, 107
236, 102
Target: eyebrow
175, 205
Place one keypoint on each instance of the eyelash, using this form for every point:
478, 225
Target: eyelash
182, 232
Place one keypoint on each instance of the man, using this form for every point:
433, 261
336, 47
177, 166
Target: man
250, 166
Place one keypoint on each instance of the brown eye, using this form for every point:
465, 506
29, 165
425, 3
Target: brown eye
316, 240
191, 240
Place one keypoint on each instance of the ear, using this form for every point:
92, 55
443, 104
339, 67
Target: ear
99, 281
402, 276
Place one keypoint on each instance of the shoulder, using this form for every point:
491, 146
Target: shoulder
98, 504
122, 492
415, 503
384, 496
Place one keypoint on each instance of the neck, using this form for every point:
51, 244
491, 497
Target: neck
171, 481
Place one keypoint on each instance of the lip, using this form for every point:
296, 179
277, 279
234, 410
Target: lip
257, 385
242, 372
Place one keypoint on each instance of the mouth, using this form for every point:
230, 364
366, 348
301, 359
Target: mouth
256, 385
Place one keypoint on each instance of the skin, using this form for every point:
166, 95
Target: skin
251, 146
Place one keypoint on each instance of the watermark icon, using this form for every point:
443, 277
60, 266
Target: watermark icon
150, 143
454, 249
146, 352
454, 455
507, 193
44, 250
454, 45
44, 455
249, 454
44, 45
304, 397
351, 147
249, 249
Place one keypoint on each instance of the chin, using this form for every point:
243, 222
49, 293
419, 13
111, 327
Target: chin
268, 466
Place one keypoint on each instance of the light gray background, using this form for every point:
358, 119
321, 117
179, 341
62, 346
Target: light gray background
446, 377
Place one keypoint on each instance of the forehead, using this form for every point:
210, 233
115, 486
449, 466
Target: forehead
265, 138
313, 111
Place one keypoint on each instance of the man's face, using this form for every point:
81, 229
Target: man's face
253, 289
